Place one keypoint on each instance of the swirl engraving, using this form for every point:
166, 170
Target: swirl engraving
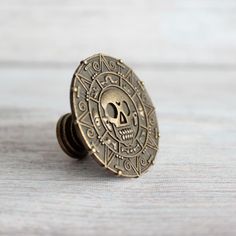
90, 133
127, 165
82, 106
112, 65
96, 66
143, 161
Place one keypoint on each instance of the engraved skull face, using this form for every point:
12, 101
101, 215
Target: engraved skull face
120, 114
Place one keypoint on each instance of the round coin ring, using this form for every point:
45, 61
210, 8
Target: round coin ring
113, 119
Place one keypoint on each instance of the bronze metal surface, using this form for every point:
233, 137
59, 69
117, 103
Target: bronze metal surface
113, 118
67, 138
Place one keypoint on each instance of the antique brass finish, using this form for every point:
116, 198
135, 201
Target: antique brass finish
68, 139
113, 119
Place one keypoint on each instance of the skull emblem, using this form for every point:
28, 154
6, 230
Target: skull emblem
120, 114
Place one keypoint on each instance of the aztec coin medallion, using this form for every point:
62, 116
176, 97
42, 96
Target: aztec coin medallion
114, 116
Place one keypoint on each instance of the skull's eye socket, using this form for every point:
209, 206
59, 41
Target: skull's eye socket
112, 110
126, 108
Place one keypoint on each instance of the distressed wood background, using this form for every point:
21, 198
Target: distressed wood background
185, 51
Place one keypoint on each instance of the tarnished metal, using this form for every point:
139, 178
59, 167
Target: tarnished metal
113, 119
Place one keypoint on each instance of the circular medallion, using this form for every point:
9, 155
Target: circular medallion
114, 116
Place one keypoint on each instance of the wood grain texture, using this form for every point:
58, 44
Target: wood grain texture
147, 32
191, 190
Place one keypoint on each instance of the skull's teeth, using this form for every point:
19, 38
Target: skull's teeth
126, 134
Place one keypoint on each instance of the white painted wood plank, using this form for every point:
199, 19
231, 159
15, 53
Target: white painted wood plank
154, 31
191, 190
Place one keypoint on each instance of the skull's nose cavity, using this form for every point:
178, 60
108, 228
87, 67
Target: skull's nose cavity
126, 108
123, 119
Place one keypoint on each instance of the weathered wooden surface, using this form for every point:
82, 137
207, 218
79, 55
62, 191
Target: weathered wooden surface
191, 190
185, 51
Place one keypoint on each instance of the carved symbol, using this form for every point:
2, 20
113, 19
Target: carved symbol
104, 63
141, 84
97, 119
112, 65
96, 66
114, 145
127, 165
95, 92
126, 87
143, 136
120, 64
130, 150
129, 76
109, 157
82, 106
152, 144
109, 80
86, 83
156, 132
77, 90
151, 121
110, 143
151, 157
87, 67
141, 111
135, 116
143, 161
144, 97
90, 133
